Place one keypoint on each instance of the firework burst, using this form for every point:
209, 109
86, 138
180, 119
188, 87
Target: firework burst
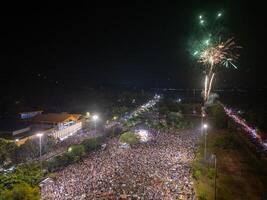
211, 51
222, 54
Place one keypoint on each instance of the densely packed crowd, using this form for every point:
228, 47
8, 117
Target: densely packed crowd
158, 169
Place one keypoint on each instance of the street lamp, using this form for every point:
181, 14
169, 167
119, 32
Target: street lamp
205, 126
95, 118
40, 135
215, 177
202, 121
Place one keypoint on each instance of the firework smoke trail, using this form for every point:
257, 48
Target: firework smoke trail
206, 85
211, 80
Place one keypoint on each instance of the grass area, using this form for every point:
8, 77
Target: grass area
242, 171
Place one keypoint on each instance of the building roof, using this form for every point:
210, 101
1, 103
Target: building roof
33, 111
55, 118
10, 125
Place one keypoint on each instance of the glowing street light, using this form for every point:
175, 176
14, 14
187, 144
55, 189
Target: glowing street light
40, 135
95, 119
205, 126
202, 121
70, 149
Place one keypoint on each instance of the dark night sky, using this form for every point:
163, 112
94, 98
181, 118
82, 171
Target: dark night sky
138, 44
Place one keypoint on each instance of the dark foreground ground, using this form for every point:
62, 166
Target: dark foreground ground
241, 170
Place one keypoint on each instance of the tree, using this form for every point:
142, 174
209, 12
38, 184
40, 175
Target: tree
219, 115
92, 144
28, 173
76, 152
21, 191
7, 151
22, 183
119, 110
129, 138
174, 118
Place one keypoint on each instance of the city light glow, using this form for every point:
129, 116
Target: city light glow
246, 127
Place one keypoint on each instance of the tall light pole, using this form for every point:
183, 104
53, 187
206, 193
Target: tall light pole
205, 126
95, 118
215, 177
202, 122
40, 135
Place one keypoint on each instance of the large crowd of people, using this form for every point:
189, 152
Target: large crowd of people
157, 169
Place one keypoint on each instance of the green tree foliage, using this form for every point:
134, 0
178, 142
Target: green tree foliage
92, 144
174, 118
58, 162
21, 191
129, 138
219, 115
22, 183
119, 110
114, 131
7, 152
30, 174
76, 152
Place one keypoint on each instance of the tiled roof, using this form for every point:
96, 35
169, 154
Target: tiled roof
55, 117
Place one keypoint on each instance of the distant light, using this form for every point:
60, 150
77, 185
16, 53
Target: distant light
179, 100
70, 149
16, 140
203, 115
39, 134
200, 16
205, 126
219, 14
156, 96
202, 21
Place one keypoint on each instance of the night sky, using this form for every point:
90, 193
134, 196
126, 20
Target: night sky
126, 43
